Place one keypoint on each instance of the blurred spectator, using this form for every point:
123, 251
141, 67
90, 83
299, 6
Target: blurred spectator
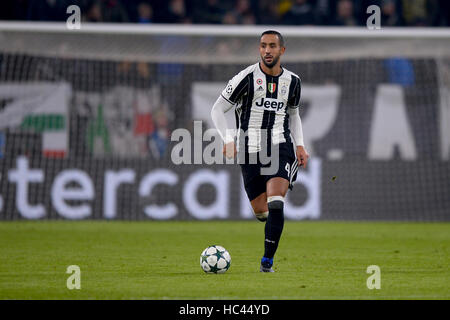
400, 71
209, 12
269, 13
300, 13
344, 14
241, 14
145, 13
324, 11
114, 11
107, 11
284, 6
94, 13
159, 140
439, 12
415, 12
390, 15
176, 12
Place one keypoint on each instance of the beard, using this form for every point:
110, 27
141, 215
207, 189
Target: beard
272, 64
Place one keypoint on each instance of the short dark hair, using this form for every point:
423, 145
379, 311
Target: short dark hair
280, 37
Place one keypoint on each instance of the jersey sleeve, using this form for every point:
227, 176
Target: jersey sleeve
236, 87
295, 93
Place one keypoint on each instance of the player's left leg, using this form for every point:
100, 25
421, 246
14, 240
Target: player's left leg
276, 191
259, 206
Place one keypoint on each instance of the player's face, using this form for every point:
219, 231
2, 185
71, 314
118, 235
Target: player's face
270, 50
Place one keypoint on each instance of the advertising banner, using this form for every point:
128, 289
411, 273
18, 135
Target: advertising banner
377, 131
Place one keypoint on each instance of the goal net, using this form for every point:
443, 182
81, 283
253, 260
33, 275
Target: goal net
87, 121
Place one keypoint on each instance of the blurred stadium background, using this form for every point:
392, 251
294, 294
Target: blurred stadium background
86, 115
250, 12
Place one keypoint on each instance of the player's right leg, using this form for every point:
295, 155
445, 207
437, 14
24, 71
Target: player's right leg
255, 187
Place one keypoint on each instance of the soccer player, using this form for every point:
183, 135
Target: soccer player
266, 98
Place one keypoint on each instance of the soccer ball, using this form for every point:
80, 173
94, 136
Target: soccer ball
215, 259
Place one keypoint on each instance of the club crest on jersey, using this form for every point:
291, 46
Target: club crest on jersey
271, 86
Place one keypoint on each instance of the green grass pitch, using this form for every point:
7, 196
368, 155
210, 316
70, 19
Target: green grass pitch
160, 260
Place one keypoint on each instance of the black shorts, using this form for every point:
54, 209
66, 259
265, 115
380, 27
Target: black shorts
255, 182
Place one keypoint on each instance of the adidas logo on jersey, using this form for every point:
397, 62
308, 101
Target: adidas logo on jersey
269, 103
260, 89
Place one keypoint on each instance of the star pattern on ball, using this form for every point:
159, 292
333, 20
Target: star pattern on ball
215, 265
214, 268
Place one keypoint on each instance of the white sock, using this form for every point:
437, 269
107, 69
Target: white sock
263, 215
275, 198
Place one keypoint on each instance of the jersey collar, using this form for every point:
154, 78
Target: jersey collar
269, 75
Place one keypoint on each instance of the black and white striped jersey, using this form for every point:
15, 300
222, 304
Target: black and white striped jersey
261, 102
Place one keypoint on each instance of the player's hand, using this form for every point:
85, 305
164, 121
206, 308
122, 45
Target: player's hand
229, 150
302, 156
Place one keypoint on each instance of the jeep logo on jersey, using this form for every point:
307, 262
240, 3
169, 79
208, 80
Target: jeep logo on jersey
271, 86
269, 103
